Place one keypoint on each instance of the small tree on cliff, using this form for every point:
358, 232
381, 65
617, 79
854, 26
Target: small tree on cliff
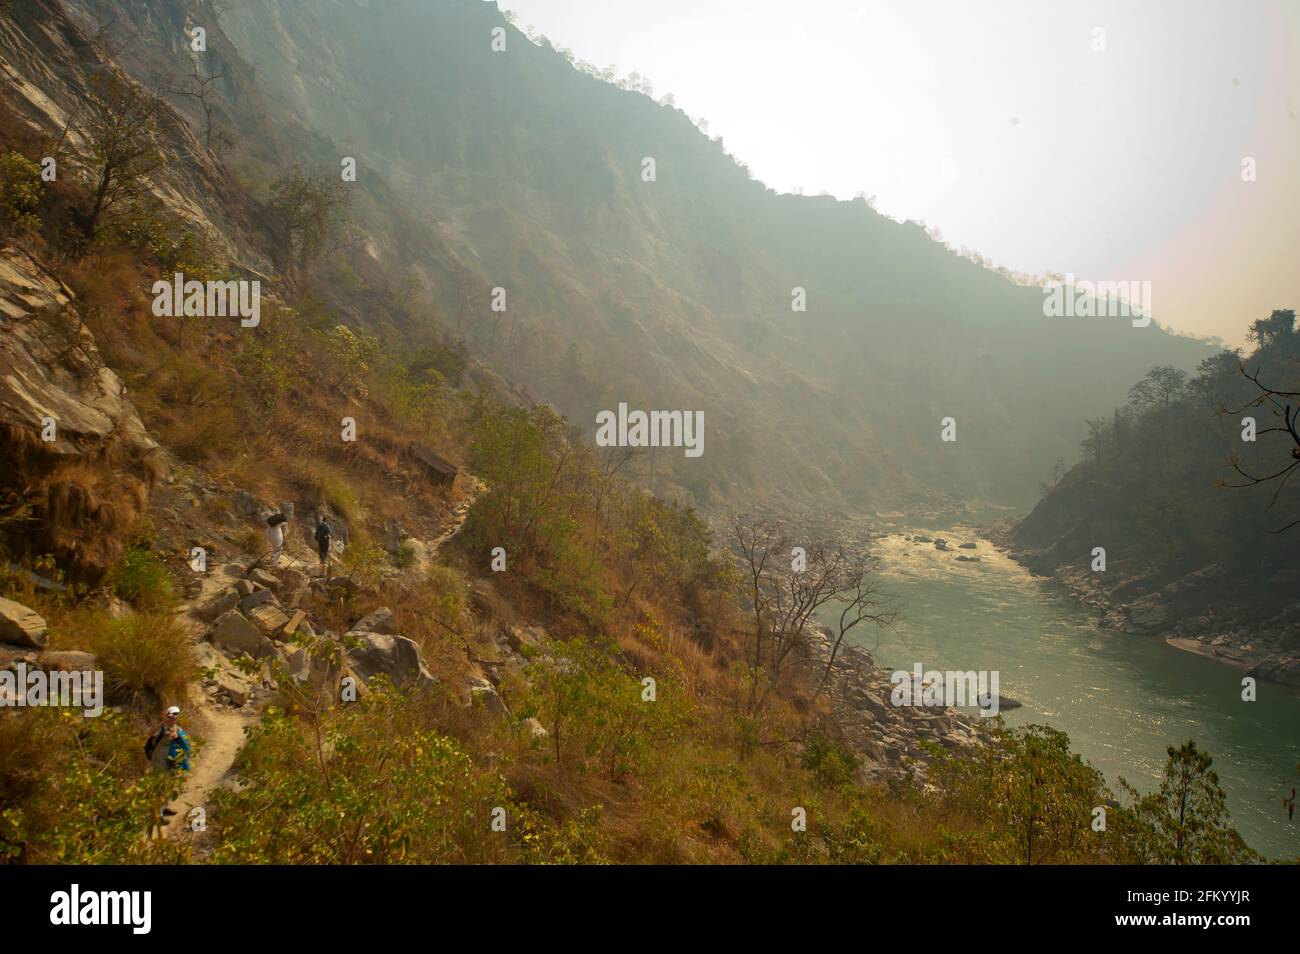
307, 212
123, 151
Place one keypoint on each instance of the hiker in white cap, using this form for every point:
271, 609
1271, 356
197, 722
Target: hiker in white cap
174, 756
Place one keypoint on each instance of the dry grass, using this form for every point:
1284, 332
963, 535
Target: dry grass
147, 658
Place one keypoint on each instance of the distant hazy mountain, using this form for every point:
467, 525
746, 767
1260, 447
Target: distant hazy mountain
514, 169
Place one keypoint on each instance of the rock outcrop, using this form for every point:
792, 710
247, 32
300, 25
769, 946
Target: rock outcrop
396, 657
71, 441
20, 626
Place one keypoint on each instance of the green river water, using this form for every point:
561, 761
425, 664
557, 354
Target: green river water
1121, 698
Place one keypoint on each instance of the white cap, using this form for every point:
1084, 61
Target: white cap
173, 710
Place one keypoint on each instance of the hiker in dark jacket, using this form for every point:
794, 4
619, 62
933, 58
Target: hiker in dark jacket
324, 533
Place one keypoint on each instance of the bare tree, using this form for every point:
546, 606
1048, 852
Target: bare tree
787, 596
198, 87
758, 542
862, 603
1281, 406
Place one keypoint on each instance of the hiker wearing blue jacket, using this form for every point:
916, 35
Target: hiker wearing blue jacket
173, 756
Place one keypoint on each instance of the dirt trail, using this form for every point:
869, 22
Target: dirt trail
221, 729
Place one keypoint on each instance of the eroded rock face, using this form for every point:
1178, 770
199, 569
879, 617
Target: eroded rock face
71, 442
20, 626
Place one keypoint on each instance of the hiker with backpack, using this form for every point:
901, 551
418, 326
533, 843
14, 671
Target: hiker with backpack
324, 535
275, 536
168, 749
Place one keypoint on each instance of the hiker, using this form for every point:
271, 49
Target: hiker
324, 533
275, 536
168, 749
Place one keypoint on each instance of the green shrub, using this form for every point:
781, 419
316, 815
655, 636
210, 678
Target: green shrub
831, 763
74, 791
597, 713
142, 580
369, 784
1036, 795
20, 191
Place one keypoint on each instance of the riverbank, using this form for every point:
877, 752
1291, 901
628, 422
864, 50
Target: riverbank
887, 738
1123, 701
1125, 604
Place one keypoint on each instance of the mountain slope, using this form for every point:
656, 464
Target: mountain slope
677, 293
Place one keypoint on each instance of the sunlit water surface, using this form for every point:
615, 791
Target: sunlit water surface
1122, 699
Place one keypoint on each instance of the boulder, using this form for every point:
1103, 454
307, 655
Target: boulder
20, 626
535, 728
306, 669
520, 636
380, 621
394, 656
205, 657
296, 623
293, 584
1150, 613
269, 618
234, 634
50, 368
11, 656
255, 599
218, 605
69, 660
966, 546
264, 578
235, 688
1283, 669
479, 692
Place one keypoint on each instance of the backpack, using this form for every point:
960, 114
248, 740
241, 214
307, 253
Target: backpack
323, 532
151, 743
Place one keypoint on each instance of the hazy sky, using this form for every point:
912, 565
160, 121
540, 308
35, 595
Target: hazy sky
997, 122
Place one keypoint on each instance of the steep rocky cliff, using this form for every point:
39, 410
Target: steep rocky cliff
75, 449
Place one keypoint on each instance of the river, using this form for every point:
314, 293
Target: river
1121, 698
